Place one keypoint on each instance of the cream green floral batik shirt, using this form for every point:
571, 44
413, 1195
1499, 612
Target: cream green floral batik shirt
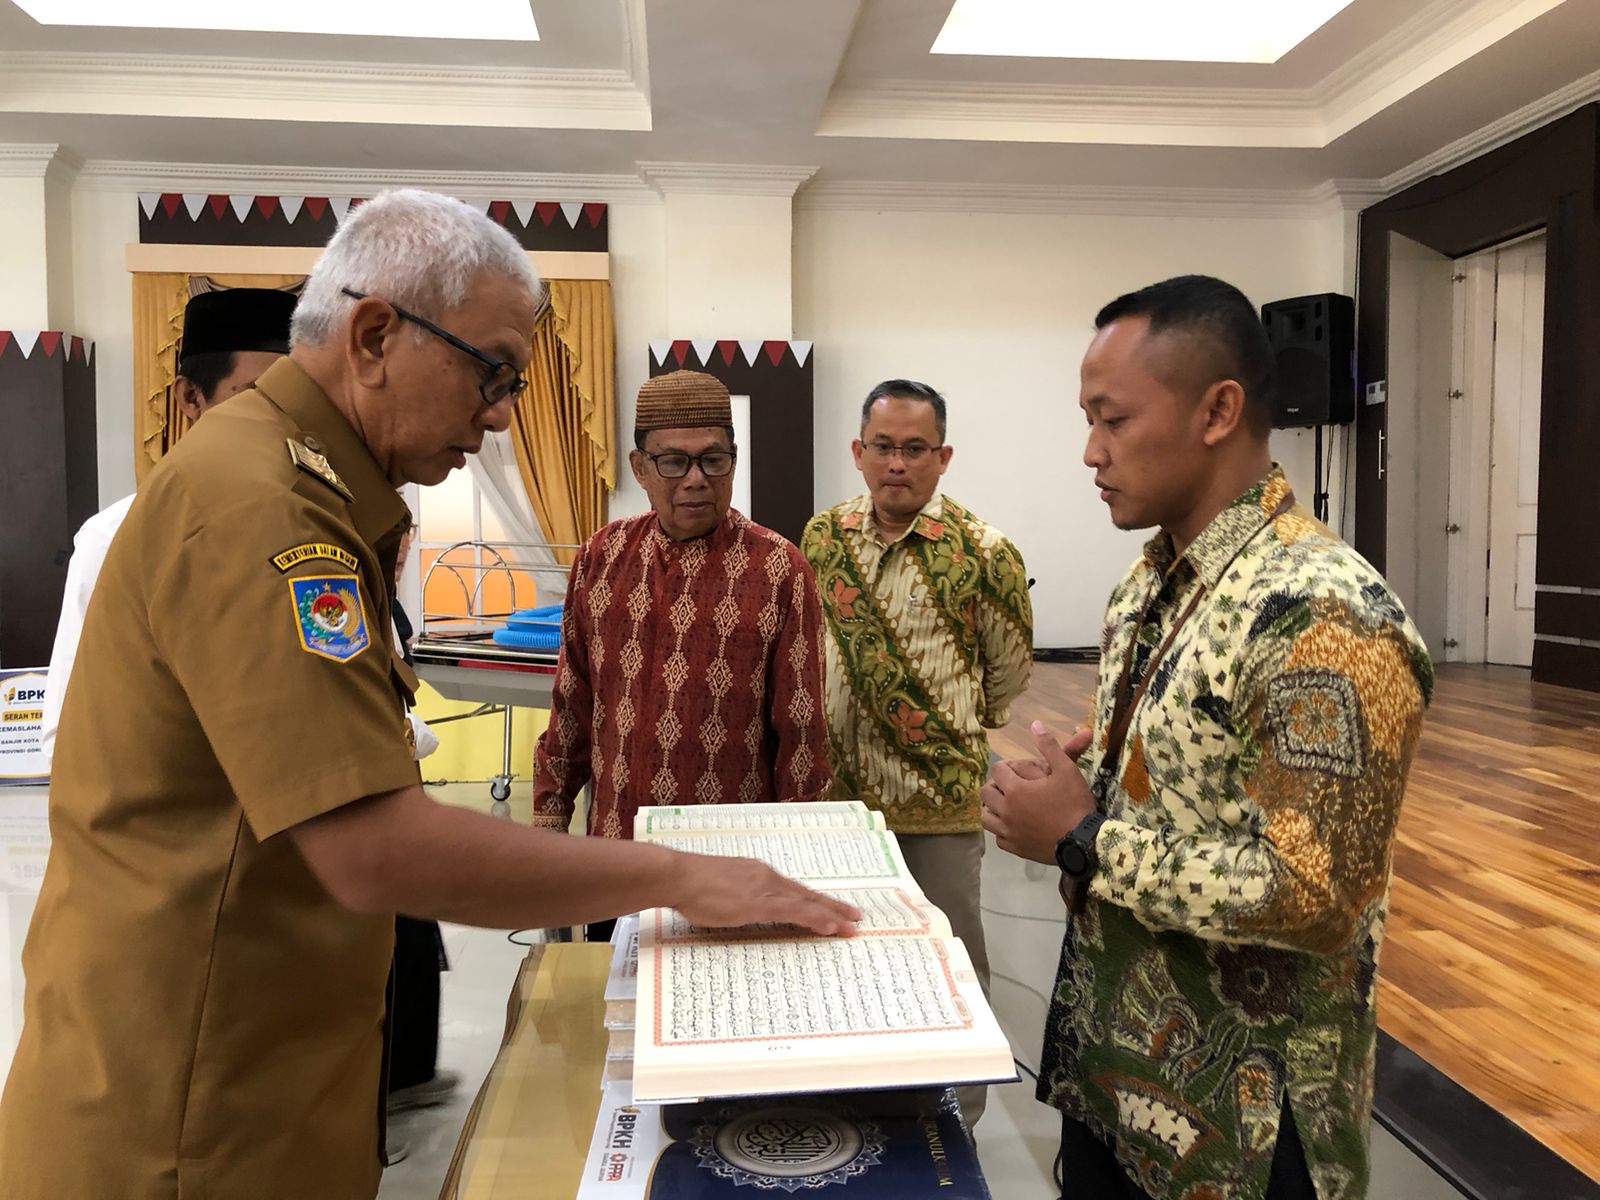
1226, 952
930, 640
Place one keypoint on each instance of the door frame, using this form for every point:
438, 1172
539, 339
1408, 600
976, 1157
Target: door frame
1549, 178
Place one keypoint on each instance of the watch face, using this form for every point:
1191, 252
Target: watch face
1071, 858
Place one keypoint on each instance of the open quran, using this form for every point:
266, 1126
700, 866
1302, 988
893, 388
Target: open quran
767, 1010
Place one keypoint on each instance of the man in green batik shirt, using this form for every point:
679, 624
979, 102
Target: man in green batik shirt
1225, 840
930, 640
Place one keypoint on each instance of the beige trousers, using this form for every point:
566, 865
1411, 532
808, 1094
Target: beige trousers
946, 866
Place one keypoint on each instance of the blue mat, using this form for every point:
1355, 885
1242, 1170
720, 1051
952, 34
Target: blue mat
532, 629
529, 639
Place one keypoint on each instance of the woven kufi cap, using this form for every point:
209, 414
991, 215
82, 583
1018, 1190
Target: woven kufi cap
683, 400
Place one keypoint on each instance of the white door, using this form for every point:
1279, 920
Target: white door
1472, 396
744, 469
1514, 451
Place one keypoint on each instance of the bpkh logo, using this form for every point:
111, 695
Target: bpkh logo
24, 695
623, 1128
618, 1164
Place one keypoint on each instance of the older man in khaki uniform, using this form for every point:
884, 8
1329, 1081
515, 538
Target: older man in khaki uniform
235, 809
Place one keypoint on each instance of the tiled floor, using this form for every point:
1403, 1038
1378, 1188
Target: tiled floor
1016, 1139
483, 965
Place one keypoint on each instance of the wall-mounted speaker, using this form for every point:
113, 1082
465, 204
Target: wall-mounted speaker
1313, 340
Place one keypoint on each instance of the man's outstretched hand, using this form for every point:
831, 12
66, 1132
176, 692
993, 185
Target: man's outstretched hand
721, 892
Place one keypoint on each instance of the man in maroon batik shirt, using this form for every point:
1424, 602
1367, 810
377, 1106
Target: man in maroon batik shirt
691, 655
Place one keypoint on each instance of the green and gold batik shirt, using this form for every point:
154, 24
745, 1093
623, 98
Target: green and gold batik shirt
930, 640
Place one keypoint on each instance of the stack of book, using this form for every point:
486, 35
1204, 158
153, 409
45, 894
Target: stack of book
760, 1056
622, 991
766, 1010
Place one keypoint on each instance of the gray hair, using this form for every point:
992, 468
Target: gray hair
417, 249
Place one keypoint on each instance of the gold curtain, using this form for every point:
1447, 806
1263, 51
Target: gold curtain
563, 428
158, 303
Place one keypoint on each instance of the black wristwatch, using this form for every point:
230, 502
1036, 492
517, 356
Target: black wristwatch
1075, 853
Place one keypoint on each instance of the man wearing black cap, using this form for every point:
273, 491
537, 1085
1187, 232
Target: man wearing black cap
229, 338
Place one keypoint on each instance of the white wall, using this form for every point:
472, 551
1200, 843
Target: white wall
638, 250
994, 309
24, 278
58, 248
996, 312
36, 248
103, 223
727, 263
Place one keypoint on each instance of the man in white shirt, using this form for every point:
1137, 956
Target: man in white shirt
229, 338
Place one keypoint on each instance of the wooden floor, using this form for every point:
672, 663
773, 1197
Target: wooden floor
1491, 970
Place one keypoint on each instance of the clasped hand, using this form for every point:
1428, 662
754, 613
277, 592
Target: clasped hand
1031, 804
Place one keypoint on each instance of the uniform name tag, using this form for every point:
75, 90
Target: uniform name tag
310, 550
329, 617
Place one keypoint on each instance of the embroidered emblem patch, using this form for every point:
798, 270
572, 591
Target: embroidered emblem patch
329, 616
295, 555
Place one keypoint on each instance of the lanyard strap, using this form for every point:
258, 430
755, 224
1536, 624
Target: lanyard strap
1127, 701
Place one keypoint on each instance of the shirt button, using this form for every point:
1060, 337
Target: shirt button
313, 445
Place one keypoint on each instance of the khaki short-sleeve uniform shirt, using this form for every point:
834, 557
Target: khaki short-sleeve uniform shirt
202, 1019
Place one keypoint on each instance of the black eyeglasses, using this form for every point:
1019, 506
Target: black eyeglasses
674, 464
503, 381
910, 453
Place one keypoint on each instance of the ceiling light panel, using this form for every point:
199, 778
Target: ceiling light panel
1232, 31
480, 20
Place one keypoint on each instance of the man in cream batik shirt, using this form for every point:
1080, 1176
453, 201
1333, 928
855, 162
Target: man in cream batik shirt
930, 640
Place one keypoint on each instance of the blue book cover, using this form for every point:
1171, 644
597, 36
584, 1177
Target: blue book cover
888, 1145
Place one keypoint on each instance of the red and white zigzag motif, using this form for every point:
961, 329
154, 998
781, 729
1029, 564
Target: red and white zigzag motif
709, 353
222, 207
49, 341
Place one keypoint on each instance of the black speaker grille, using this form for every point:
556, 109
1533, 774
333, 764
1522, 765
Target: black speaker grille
1313, 341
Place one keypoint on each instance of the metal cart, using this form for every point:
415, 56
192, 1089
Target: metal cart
458, 657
